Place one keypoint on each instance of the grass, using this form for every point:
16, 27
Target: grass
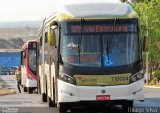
154, 85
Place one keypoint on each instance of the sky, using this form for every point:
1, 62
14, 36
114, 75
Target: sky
30, 10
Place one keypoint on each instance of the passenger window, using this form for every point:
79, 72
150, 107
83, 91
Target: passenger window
46, 37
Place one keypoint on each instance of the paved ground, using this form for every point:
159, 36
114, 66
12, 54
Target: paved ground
10, 81
31, 103
19, 99
4, 89
22, 100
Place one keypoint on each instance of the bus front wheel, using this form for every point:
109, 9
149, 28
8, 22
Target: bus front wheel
29, 90
62, 108
24, 89
50, 102
44, 97
127, 105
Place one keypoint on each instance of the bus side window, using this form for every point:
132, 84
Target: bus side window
46, 37
23, 58
39, 49
40, 41
56, 36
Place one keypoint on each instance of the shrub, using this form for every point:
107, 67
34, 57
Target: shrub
157, 75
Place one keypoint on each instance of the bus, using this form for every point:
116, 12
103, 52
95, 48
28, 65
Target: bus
91, 53
29, 66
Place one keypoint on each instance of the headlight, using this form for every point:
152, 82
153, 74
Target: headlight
67, 78
140, 75
136, 77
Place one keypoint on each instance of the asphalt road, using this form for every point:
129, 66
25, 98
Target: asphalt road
31, 103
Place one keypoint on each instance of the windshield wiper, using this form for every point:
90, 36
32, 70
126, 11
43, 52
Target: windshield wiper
80, 39
109, 40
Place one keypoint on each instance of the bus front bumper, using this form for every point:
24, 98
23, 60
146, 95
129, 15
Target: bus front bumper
72, 93
31, 83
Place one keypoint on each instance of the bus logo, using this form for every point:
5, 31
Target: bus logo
103, 91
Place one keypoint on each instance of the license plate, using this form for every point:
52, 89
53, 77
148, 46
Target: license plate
103, 97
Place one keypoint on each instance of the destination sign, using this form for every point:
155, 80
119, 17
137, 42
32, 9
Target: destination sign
83, 58
99, 28
104, 26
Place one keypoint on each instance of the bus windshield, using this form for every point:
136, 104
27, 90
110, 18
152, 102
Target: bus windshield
32, 57
32, 60
104, 44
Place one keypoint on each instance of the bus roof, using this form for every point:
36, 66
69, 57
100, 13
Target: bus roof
25, 45
98, 10
92, 10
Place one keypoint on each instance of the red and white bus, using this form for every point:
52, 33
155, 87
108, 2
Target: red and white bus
29, 66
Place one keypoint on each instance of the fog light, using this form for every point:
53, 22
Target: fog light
67, 93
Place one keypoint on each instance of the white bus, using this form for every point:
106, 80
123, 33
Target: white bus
91, 53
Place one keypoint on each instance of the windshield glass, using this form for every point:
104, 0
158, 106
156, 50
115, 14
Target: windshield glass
86, 54
99, 43
120, 49
32, 60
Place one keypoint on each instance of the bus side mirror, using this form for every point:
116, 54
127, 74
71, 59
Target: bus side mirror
51, 38
146, 43
51, 33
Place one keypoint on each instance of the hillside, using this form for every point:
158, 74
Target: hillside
14, 34
24, 33
13, 38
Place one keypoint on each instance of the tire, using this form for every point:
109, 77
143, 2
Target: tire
54, 98
126, 106
50, 102
38, 87
62, 108
29, 90
24, 89
44, 97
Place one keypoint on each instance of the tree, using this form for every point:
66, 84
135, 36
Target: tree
149, 12
135, 1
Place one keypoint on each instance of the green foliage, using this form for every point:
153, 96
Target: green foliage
157, 74
150, 16
133, 1
149, 12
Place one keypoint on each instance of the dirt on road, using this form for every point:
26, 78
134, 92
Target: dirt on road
4, 90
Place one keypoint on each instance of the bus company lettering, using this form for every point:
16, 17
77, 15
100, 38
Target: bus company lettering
120, 78
83, 58
88, 58
99, 28
85, 79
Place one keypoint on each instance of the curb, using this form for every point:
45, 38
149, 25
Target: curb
151, 86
